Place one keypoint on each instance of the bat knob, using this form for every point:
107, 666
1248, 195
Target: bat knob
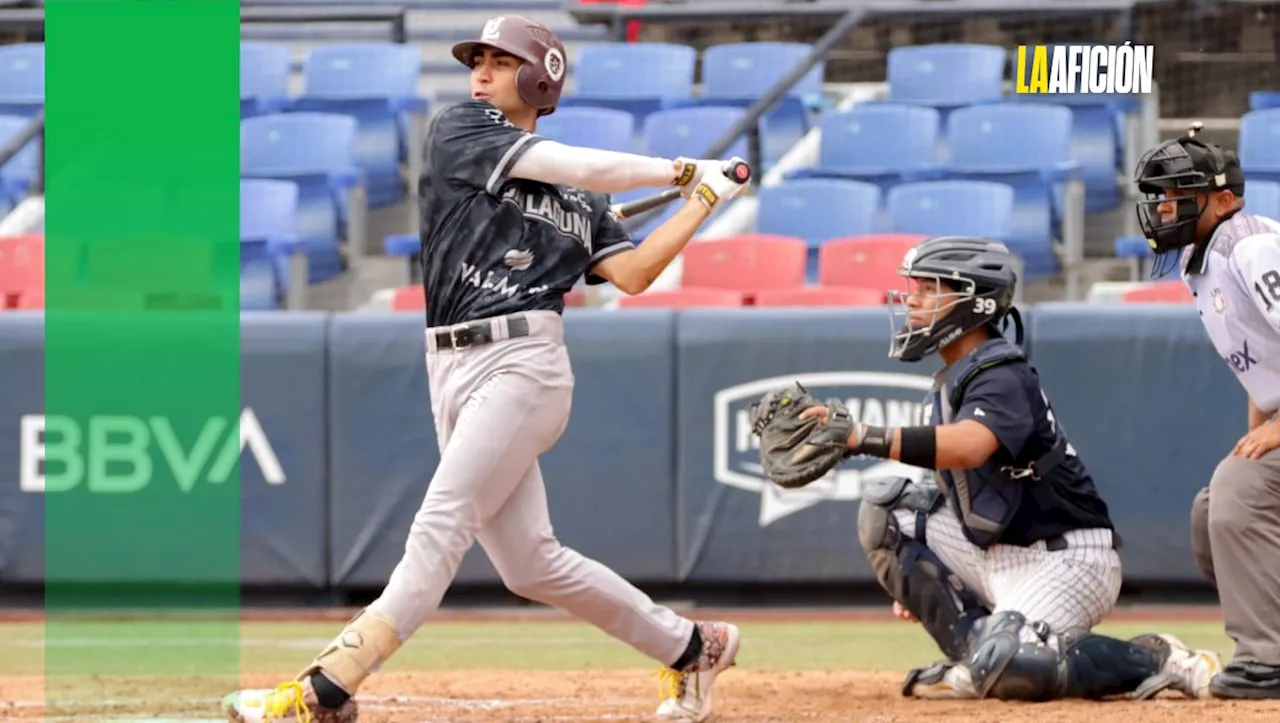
738, 171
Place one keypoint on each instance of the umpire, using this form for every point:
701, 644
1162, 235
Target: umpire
1194, 215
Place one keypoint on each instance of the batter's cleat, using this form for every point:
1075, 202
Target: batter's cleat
1190, 671
941, 681
686, 695
292, 702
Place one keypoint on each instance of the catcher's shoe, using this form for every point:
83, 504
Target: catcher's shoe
1190, 671
292, 702
686, 695
940, 681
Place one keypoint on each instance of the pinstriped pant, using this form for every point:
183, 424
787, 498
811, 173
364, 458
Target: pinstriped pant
1071, 589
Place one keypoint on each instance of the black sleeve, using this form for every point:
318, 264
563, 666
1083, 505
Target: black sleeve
474, 144
610, 239
996, 400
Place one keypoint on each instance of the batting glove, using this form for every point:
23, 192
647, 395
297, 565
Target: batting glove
717, 189
689, 173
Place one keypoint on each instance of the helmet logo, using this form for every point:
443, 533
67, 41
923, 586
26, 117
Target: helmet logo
492, 28
554, 63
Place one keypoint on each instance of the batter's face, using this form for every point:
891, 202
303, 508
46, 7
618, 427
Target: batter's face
493, 79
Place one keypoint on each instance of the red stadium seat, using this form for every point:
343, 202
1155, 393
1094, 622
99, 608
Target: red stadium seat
409, 298
820, 296
1158, 292
575, 298
22, 272
683, 298
867, 262
747, 264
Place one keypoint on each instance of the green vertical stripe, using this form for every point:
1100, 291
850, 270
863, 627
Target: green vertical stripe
142, 368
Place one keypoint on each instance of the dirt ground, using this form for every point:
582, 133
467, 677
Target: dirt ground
465, 696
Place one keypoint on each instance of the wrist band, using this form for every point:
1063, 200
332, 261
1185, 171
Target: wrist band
919, 447
876, 441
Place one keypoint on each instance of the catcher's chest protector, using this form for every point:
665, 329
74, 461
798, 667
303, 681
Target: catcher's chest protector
985, 499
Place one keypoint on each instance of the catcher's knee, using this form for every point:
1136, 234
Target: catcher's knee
358, 651
1005, 667
912, 573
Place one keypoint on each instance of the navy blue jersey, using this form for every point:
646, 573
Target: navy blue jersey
493, 245
1008, 400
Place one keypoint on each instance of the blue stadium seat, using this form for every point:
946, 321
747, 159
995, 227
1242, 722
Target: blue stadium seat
264, 78
21, 79
16, 175
935, 208
818, 210
603, 128
1262, 198
639, 78
377, 84
268, 218
739, 74
316, 151
1259, 146
1263, 99
880, 143
1028, 147
946, 75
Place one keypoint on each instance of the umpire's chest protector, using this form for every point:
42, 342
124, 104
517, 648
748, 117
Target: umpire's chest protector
984, 499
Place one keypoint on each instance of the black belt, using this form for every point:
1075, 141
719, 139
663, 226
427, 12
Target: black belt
1059, 543
478, 333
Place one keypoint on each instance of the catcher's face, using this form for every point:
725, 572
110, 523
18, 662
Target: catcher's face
926, 300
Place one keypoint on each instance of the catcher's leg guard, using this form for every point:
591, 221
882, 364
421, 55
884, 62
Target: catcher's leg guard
909, 571
1014, 660
358, 651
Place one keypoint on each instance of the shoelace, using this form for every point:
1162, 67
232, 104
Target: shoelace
286, 700
671, 684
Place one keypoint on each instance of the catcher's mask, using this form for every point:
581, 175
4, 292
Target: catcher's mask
973, 284
1196, 169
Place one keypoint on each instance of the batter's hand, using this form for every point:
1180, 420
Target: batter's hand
1263, 439
689, 173
715, 188
902, 613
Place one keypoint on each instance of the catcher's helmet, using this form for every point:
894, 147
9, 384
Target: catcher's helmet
1182, 163
976, 279
541, 76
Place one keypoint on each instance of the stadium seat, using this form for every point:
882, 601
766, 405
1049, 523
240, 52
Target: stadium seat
1259, 147
818, 210
682, 132
1262, 198
268, 218
316, 151
880, 143
264, 78
21, 79
17, 175
866, 262
946, 75
1096, 142
739, 74
1263, 99
747, 264
1028, 147
815, 296
22, 272
410, 297
1158, 292
682, 298
604, 128
950, 208
639, 78
377, 84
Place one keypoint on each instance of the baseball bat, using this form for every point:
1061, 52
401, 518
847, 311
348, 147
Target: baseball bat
737, 170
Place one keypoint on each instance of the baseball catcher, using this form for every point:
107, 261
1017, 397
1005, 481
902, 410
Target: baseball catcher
1008, 558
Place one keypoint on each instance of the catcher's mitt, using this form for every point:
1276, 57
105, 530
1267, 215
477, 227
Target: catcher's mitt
795, 452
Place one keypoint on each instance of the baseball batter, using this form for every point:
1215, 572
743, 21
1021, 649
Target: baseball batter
1230, 259
510, 222
1010, 559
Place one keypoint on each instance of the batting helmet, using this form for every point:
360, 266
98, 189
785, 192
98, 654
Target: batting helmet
541, 78
982, 276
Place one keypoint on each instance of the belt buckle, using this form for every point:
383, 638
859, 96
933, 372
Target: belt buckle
460, 332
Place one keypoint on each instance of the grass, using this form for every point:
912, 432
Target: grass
176, 648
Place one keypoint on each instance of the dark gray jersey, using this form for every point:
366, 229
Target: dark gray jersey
492, 245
